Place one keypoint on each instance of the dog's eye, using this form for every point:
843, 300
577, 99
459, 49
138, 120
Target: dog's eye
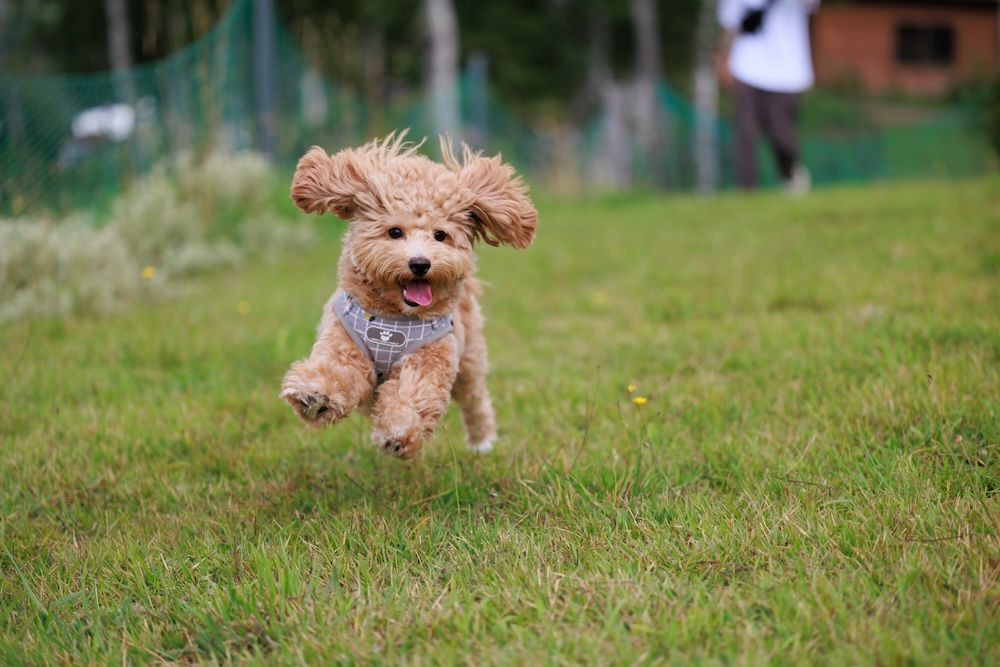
440, 236
395, 233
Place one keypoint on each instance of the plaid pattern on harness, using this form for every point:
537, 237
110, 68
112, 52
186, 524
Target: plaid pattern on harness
385, 340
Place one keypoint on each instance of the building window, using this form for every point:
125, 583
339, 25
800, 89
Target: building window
924, 44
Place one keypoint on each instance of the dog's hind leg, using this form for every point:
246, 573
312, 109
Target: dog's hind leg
470, 390
473, 398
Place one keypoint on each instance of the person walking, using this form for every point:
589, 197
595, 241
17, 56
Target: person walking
765, 59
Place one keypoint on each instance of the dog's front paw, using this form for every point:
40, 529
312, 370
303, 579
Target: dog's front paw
399, 432
391, 446
314, 409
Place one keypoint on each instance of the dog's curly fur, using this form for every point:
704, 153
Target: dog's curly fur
401, 207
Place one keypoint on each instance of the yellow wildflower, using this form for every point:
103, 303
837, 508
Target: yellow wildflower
639, 400
631, 388
148, 272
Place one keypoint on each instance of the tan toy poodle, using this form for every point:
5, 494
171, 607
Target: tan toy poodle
403, 333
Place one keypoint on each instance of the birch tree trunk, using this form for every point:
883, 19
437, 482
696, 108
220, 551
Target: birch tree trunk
706, 100
5, 30
610, 167
373, 68
175, 96
649, 128
442, 66
119, 53
265, 76
14, 112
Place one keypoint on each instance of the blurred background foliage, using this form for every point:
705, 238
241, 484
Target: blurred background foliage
578, 94
537, 50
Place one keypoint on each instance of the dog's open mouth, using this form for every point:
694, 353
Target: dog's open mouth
417, 293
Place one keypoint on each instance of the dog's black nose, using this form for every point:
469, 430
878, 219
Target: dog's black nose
420, 266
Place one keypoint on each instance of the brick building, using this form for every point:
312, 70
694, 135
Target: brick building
916, 47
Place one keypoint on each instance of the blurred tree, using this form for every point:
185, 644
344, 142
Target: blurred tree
536, 54
119, 48
538, 51
604, 91
706, 99
119, 53
162, 27
53, 35
648, 53
5, 39
542, 54
13, 114
650, 132
441, 63
371, 45
70, 36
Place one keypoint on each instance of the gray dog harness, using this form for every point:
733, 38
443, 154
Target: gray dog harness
385, 340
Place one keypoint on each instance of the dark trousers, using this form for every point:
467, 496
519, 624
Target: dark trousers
774, 115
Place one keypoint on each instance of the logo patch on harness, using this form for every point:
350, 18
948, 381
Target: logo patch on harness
385, 336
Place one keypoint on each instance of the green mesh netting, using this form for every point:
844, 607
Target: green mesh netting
203, 98
199, 95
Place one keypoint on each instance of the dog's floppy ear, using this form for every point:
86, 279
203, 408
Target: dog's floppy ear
499, 207
330, 183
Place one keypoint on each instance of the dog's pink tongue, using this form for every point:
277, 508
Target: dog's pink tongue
419, 292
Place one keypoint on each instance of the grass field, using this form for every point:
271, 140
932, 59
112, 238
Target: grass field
805, 471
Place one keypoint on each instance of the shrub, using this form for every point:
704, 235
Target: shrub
181, 220
59, 269
984, 99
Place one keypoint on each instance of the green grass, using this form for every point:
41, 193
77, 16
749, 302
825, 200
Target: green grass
813, 479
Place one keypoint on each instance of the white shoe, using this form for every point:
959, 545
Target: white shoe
800, 182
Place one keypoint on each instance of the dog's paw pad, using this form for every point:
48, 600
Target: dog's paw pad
308, 406
318, 403
392, 447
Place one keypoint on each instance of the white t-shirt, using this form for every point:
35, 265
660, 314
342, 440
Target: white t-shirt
776, 57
